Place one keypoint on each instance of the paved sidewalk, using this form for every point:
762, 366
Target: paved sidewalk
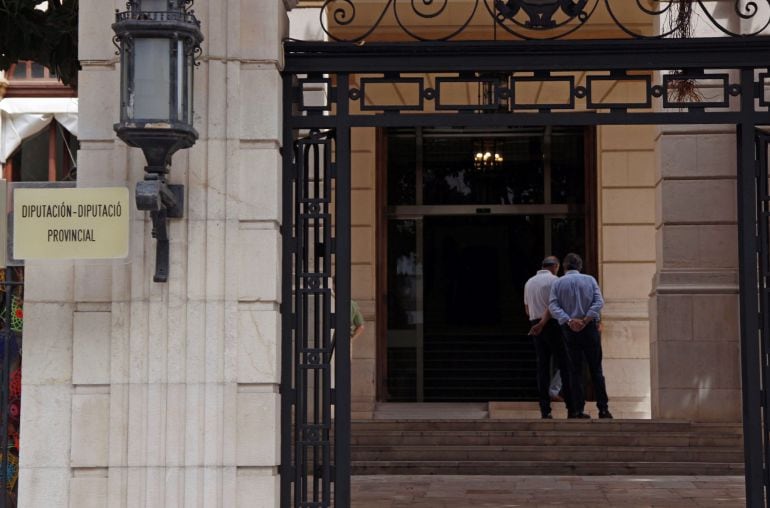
541, 491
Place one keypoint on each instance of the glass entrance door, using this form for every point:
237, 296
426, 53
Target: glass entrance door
470, 216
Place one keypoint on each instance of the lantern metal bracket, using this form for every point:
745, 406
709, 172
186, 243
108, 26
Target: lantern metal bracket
163, 201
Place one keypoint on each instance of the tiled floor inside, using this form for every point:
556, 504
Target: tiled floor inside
540, 491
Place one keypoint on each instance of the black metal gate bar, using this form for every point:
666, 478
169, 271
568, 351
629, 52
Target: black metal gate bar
749, 333
762, 141
342, 276
574, 55
306, 62
287, 306
534, 119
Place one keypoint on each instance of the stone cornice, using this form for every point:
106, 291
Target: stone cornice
680, 282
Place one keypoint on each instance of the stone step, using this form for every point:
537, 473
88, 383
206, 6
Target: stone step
544, 468
547, 447
548, 453
599, 426
544, 438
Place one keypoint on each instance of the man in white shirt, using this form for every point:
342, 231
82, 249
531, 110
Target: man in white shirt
548, 339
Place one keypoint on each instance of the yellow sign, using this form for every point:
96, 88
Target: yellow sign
70, 223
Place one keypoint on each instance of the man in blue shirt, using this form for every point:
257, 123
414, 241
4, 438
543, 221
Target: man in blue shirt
576, 302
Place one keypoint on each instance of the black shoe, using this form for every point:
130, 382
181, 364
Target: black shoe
605, 413
579, 416
546, 416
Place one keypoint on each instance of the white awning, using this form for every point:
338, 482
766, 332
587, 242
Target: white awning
22, 118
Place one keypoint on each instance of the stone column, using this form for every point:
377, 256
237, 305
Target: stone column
694, 304
139, 394
627, 255
694, 336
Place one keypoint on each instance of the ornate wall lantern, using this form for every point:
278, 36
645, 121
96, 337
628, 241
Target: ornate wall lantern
158, 41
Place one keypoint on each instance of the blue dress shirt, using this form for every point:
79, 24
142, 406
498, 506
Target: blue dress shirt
575, 295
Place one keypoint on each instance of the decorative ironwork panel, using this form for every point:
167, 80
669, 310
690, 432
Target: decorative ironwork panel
410, 91
530, 86
443, 20
619, 96
597, 92
315, 95
310, 247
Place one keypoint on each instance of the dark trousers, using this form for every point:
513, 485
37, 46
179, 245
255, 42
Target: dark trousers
550, 344
586, 343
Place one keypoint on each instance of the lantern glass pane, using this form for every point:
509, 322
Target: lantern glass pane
152, 79
180, 79
125, 79
190, 79
154, 5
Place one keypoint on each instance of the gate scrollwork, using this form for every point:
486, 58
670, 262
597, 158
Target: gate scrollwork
444, 20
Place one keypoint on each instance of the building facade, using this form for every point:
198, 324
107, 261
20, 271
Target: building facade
143, 394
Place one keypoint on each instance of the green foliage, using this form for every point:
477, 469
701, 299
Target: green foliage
48, 35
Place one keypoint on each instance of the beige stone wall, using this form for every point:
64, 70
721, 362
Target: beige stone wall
363, 269
695, 344
139, 394
626, 180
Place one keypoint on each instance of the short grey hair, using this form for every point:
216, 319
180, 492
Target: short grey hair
573, 261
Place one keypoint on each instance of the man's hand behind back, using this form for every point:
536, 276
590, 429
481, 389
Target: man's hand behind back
576, 325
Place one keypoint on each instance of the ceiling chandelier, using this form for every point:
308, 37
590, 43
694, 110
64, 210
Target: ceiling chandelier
488, 158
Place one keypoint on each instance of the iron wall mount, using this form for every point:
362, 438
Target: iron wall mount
163, 201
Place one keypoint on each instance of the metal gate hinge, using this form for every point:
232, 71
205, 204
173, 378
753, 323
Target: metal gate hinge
333, 170
332, 473
333, 396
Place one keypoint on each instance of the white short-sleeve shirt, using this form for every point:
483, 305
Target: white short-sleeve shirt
537, 291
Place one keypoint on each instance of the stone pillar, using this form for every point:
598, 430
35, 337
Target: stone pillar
139, 394
627, 255
694, 303
694, 311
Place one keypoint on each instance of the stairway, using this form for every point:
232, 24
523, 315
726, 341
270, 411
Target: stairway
536, 447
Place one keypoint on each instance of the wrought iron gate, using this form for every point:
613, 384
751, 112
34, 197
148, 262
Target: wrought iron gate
315, 470
315, 356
